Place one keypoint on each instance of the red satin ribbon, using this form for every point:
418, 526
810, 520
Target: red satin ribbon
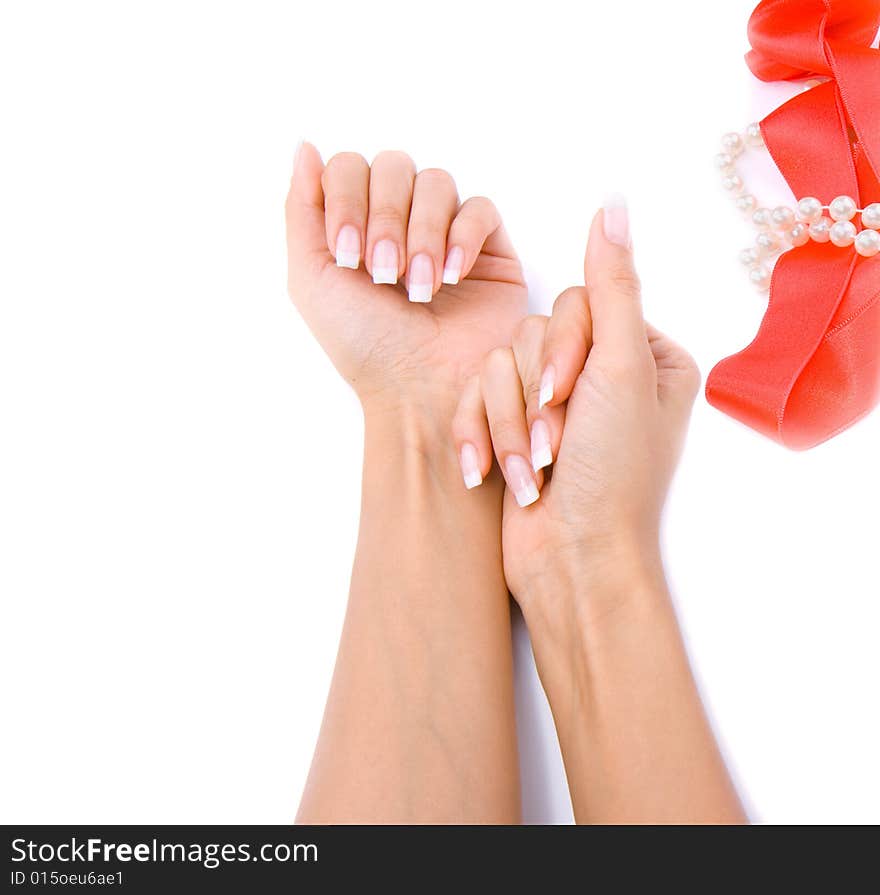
814, 367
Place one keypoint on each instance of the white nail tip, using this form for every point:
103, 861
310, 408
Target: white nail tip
348, 260
542, 458
420, 292
385, 276
473, 479
614, 200
451, 277
527, 496
545, 395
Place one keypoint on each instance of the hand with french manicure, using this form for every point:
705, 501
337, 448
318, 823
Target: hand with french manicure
599, 397
362, 239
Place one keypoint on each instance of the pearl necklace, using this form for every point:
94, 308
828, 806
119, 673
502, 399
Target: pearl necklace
782, 228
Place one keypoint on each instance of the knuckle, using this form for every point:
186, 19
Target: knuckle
436, 177
623, 279
346, 160
574, 296
348, 208
481, 205
531, 394
497, 362
393, 158
506, 430
691, 374
530, 329
385, 213
630, 368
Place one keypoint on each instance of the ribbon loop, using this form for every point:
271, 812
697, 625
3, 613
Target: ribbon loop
814, 366
788, 37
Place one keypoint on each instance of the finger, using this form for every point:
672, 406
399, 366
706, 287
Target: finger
435, 202
304, 215
346, 186
678, 376
470, 432
477, 227
567, 343
545, 425
392, 175
612, 283
506, 412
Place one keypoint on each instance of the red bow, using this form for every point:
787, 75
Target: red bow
814, 367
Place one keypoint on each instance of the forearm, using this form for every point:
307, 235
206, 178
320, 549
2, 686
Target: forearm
637, 745
419, 725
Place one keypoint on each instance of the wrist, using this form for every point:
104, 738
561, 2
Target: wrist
594, 588
586, 627
408, 436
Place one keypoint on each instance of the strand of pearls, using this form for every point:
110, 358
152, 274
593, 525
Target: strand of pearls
782, 228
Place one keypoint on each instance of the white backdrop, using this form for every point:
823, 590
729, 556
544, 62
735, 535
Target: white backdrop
179, 465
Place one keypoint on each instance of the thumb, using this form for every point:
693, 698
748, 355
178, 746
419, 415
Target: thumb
613, 286
304, 213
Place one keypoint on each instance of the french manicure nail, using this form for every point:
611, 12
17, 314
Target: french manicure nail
453, 266
385, 262
521, 480
541, 453
470, 466
548, 381
421, 279
348, 248
615, 220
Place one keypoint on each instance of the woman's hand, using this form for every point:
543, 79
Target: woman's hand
602, 397
420, 724
362, 239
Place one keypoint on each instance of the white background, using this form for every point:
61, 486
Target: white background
179, 465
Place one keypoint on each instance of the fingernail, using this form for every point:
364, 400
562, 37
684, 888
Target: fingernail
421, 279
348, 248
385, 262
296, 154
521, 481
470, 466
615, 220
541, 454
453, 266
548, 379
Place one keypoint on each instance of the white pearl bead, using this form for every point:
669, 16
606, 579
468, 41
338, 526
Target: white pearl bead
843, 208
733, 144
799, 235
871, 216
761, 218
750, 256
760, 278
747, 203
734, 185
868, 243
724, 162
809, 209
768, 243
820, 230
754, 136
843, 233
782, 217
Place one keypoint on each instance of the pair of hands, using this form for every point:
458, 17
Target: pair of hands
584, 411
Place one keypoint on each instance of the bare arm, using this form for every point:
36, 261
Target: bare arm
419, 725
406, 288
635, 739
604, 399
